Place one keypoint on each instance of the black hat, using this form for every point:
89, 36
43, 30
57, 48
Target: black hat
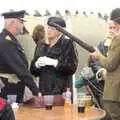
115, 15
57, 20
14, 14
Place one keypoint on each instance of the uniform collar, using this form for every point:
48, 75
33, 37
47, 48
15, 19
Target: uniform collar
7, 33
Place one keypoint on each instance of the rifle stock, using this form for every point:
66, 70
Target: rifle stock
83, 44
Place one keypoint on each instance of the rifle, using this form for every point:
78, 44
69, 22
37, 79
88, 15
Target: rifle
83, 44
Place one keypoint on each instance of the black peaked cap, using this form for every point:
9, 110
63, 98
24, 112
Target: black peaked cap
58, 20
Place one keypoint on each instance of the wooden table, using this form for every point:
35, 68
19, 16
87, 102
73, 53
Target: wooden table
57, 113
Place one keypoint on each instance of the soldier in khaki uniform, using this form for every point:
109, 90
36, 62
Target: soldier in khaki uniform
111, 95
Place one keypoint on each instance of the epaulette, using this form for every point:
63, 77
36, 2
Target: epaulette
8, 37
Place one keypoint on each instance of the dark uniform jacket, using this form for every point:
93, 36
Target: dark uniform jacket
55, 80
13, 60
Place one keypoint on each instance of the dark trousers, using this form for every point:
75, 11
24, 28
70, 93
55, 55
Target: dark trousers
13, 89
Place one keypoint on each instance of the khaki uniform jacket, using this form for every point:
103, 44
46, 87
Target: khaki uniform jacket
112, 64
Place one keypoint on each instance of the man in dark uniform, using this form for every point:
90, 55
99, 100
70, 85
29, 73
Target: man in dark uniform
12, 57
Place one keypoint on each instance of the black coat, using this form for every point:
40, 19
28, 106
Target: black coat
13, 60
55, 80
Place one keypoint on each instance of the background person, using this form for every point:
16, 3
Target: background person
38, 34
